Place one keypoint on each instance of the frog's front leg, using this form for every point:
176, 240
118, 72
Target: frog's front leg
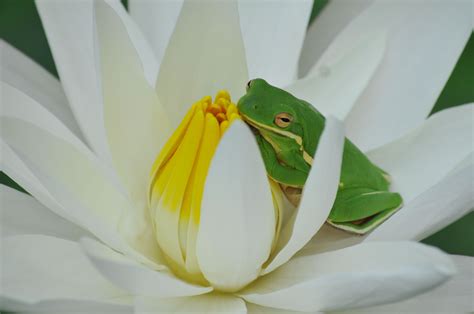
277, 171
360, 210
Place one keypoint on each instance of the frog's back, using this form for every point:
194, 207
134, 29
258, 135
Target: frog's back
358, 171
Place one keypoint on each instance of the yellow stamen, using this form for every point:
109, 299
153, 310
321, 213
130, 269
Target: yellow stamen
221, 117
223, 95
224, 125
178, 177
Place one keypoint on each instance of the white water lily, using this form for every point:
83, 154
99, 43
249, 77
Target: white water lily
85, 240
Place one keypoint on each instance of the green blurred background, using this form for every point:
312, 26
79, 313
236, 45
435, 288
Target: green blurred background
21, 27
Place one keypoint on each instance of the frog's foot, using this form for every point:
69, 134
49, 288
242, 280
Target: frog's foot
360, 210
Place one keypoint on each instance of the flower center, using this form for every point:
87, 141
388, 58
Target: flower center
178, 176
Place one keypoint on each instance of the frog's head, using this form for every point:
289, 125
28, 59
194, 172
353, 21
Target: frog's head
269, 109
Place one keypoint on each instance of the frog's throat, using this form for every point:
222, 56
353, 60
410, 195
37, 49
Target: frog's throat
298, 139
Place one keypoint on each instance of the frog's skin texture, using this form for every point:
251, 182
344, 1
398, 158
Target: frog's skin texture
287, 146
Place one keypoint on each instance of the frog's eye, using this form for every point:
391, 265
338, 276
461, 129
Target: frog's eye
249, 83
283, 119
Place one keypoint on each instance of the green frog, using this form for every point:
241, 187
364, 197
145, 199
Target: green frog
288, 130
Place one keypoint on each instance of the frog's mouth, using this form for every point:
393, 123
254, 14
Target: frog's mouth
260, 127
256, 127
259, 130
253, 127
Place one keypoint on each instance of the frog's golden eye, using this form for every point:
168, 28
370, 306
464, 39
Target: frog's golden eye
283, 119
249, 83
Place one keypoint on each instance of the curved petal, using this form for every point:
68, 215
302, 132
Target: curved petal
28, 129
22, 214
135, 277
208, 303
237, 223
24, 74
68, 27
205, 54
39, 268
406, 86
145, 54
362, 275
157, 20
42, 151
329, 238
455, 296
258, 309
432, 210
121, 305
350, 71
135, 121
434, 148
13, 165
329, 23
318, 196
273, 33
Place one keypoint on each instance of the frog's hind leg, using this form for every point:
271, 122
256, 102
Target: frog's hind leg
363, 226
360, 210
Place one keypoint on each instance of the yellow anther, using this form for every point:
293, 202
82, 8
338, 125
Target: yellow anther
221, 117
224, 125
200, 105
223, 103
207, 100
233, 117
214, 109
231, 110
223, 94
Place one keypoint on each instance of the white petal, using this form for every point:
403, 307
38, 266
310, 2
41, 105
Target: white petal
12, 164
329, 238
24, 74
273, 33
419, 159
157, 20
205, 54
135, 121
17, 168
42, 150
432, 210
208, 303
36, 268
329, 23
350, 72
358, 276
69, 30
135, 277
406, 86
145, 54
318, 195
258, 309
22, 214
237, 222
41, 140
455, 296
120, 305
